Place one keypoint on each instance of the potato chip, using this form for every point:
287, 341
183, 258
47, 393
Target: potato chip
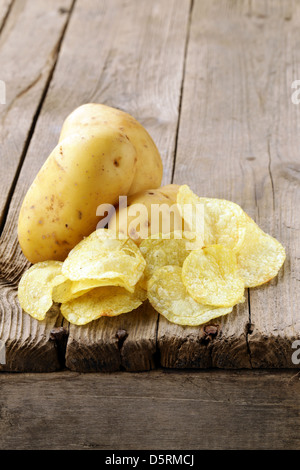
103, 257
102, 301
68, 290
36, 286
167, 249
260, 256
167, 294
210, 276
224, 221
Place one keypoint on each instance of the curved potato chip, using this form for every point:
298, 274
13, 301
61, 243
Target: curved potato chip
36, 286
170, 298
69, 290
224, 221
211, 276
102, 256
102, 301
167, 249
260, 256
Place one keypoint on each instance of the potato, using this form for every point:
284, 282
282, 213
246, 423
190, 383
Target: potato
92, 116
103, 153
137, 225
82, 172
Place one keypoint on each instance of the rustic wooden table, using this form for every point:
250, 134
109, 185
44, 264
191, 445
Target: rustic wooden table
211, 80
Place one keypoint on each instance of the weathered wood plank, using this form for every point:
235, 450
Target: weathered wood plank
139, 69
28, 50
271, 62
123, 72
151, 410
110, 344
218, 343
239, 147
233, 127
207, 133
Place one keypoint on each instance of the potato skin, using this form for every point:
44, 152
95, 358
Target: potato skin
120, 221
92, 116
82, 172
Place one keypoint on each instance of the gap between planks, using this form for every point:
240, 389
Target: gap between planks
56, 51
165, 22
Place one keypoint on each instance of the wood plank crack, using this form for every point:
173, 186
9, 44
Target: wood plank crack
4, 207
182, 85
4, 13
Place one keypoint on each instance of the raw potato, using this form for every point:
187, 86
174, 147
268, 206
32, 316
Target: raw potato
124, 221
103, 153
90, 117
60, 206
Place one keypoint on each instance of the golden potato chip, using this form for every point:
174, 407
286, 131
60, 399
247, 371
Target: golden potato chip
224, 221
167, 249
102, 301
68, 290
167, 294
210, 276
260, 257
103, 257
36, 286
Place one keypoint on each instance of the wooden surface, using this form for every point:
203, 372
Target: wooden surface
165, 410
211, 82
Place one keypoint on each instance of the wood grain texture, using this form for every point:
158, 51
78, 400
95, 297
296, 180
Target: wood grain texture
271, 62
172, 410
5, 6
225, 68
239, 130
127, 342
219, 343
28, 51
208, 159
130, 56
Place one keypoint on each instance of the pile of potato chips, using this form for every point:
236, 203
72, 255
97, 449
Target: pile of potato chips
98, 278
189, 277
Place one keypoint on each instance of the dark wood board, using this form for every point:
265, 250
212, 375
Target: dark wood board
166, 410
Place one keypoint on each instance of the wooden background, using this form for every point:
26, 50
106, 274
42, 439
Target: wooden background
211, 81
